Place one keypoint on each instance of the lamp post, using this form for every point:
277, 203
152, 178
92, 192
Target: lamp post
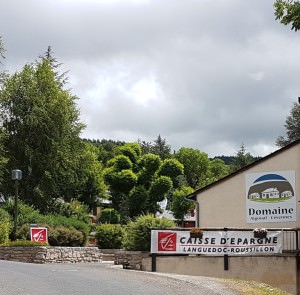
16, 175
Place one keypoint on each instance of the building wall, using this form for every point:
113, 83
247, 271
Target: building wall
224, 204
277, 271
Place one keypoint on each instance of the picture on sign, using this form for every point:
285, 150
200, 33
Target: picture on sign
270, 197
39, 234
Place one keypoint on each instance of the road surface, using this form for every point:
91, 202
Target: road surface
101, 279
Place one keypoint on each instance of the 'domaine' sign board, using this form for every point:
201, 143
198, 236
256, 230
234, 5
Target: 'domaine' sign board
215, 243
270, 197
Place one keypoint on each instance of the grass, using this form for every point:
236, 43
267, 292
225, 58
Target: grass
254, 288
271, 200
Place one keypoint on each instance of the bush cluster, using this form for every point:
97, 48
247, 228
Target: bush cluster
109, 236
63, 236
109, 215
22, 244
5, 226
138, 233
62, 230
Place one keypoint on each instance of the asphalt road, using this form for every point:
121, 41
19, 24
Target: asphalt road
101, 279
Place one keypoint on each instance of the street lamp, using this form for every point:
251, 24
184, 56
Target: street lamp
16, 175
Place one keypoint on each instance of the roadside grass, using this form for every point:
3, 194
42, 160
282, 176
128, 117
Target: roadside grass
254, 288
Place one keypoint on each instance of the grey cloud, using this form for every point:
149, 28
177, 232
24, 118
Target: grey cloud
227, 72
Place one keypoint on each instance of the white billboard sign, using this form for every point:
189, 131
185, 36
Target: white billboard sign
215, 243
270, 197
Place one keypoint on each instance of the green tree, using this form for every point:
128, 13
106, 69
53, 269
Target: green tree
242, 159
288, 12
161, 148
180, 205
3, 158
292, 126
148, 165
92, 186
136, 182
42, 122
217, 170
196, 165
173, 169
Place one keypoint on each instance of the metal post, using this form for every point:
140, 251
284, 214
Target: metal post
15, 211
226, 259
16, 176
153, 262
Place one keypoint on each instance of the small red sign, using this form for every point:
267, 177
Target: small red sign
39, 234
167, 241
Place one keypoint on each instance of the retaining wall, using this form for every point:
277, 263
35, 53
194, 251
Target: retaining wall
45, 254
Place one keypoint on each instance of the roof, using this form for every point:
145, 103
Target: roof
192, 196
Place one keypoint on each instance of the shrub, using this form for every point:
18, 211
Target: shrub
23, 232
109, 236
109, 215
26, 214
73, 209
54, 221
22, 244
138, 232
63, 236
5, 226
79, 229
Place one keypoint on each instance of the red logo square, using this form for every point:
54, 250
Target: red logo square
167, 241
38, 234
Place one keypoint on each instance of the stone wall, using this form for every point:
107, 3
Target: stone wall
51, 254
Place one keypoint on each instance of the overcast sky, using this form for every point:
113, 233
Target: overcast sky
205, 74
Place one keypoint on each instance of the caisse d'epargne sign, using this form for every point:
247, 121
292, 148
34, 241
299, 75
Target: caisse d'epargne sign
215, 243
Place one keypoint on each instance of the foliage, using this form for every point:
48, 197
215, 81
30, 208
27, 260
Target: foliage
23, 232
65, 236
148, 165
171, 168
242, 159
159, 188
73, 209
24, 243
288, 12
292, 126
5, 226
91, 174
71, 222
109, 236
122, 181
138, 232
28, 215
109, 215
42, 124
159, 148
3, 155
106, 148
216, 170
138, 199
121, 162
130, 150
196, 165
180, 205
